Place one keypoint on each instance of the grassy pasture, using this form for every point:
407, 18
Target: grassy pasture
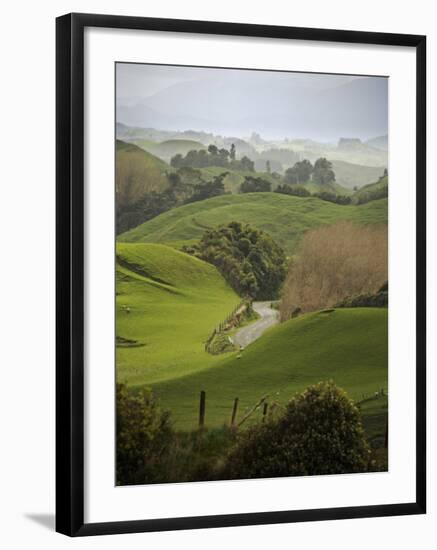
284, 217
174, 302
348, 346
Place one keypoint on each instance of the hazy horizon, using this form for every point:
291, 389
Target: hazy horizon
237, 102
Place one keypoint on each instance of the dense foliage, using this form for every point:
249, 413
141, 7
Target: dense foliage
323, 172
255, 185
333, 197
319, 433
296, 190
248, 258
378, 299
299, 173
183, 186
144, 435
206, 190
213, 157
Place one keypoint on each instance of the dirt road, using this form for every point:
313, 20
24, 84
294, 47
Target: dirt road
250, 333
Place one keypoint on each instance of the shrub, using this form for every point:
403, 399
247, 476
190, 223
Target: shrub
332, 263
380, 299
319, 433
255, 185
248, 258
333, 197
144, 436
296, 190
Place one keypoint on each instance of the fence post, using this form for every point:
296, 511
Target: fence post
265, 408
234, 411
202, 409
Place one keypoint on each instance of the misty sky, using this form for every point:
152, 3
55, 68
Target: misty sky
239, 102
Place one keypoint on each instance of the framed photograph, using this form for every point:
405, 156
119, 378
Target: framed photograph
240, 274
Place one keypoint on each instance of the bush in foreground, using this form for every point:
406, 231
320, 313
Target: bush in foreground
144, 436
319, 433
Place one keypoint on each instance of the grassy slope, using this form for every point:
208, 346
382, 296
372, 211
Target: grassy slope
368, 191
141, 165
284, 217
175, 301
123, 148
351, 175
348, 346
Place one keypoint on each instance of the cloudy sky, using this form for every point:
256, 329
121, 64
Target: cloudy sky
239, 102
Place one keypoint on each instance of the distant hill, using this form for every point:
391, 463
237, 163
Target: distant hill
371, 192
284, 217
137, 173
380, 142
138, 169
230, 105
168, 149
350, 175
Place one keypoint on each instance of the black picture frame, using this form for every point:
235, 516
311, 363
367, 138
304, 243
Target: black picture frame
70, 273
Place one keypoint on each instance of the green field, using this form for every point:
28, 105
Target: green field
369, 192
348, 346
284, 217
140, 170
175, 301
351, 175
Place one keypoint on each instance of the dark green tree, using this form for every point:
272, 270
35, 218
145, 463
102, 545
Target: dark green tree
208, 189
296, 190
213, 150
247, 164
248, 258
299, 173
319, 433
255, 185
323, 172
233, 152
144, 435
304, 169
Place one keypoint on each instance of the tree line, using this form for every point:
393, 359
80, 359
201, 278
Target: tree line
303, 171
213, 156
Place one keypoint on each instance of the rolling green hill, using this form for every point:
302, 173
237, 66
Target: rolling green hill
350, 175
137, 172
347, 346
284, 217
371, 192
167, 305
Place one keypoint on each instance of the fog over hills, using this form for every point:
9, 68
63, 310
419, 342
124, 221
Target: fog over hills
276, 105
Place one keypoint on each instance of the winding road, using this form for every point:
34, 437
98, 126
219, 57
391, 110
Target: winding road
250, 333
